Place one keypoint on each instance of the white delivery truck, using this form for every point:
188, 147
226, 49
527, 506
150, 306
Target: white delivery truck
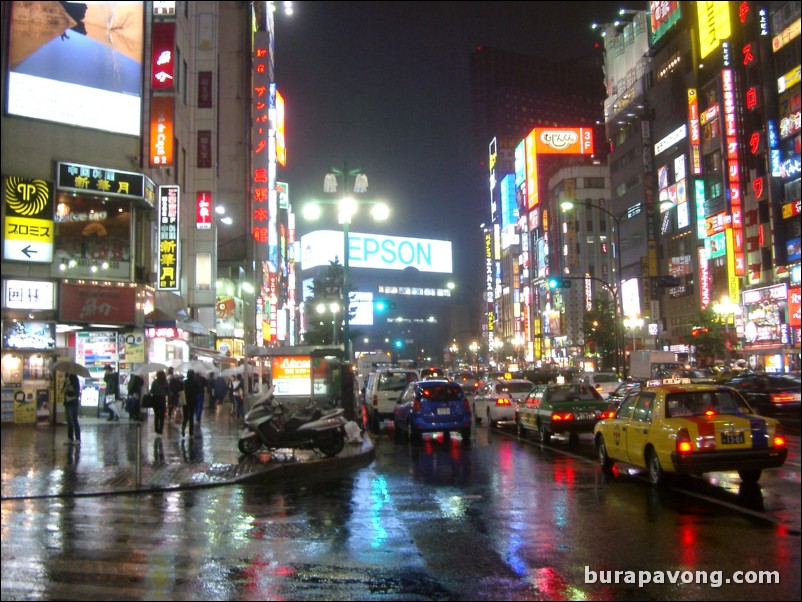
647, 363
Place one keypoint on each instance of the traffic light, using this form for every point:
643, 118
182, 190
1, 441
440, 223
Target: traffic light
559, 283
382, 305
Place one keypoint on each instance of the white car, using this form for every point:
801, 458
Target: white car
496, 399
604, 382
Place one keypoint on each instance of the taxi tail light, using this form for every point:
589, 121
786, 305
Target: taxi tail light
684, 444
779, 437
607, 414
598, 388
565, 416
782, 397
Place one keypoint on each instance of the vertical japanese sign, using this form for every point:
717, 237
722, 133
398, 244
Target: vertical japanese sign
731, 110
204, 149
161, 131
162, 69
168, 251
28, 223
203, 210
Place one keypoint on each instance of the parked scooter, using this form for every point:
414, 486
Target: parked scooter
270, 424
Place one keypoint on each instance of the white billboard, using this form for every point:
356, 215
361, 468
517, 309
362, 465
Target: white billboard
376, 252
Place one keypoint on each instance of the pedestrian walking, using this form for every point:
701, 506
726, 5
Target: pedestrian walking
176, 385
72, 403
220, 390
239, 397
202, 384
159, 391
112, 380
133, 404
191, 389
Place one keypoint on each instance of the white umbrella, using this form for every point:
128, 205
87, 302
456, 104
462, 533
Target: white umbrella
149, 367
233, 371
199, 367
70, 367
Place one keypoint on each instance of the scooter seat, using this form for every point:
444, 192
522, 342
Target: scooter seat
294, 423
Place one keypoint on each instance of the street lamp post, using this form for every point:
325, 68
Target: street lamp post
615, 289
726, 309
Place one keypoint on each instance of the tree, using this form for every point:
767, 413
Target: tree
599, 328
325, 291
707, 337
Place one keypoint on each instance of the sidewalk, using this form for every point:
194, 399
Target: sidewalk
37, 463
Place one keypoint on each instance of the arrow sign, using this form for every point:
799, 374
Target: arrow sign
27, 250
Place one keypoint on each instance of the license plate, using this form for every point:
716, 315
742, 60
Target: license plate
443, 411
585, 416
732, 438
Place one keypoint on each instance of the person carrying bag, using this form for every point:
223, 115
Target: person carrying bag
72, 403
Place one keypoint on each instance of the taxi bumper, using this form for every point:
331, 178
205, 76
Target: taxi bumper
712, 461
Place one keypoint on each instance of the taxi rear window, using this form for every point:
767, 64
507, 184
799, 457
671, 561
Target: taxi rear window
704, 403
573, 393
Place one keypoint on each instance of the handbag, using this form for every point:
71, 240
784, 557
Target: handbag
147, 401
182, 399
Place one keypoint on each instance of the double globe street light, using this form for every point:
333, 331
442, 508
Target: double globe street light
347, 207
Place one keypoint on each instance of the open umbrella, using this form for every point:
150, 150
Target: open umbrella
199, 367
233, 371
149, 367
71, 367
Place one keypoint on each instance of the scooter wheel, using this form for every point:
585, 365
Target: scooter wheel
333, 443
249, 445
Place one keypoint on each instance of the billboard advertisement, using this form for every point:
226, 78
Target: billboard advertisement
79, 64
375, 251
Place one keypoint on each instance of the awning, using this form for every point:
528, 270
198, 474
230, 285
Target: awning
171, 308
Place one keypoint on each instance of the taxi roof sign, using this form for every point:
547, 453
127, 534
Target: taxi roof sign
668, 381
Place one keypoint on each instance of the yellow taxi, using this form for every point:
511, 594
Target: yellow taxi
673, 426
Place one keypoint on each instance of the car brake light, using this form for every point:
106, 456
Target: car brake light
779, 437
607, 414
502, 401
782, 397
598, 388
710, 412
684, 444
562, 417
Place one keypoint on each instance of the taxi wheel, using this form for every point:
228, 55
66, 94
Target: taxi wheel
750, 476
545, 436
604, 460
655, 470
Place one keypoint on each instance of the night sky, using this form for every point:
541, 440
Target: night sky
385, 86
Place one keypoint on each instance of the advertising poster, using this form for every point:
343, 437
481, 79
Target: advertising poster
292, 375
25, 406
7, 405
42, 406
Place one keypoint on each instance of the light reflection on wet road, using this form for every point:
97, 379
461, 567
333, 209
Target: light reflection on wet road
438, 521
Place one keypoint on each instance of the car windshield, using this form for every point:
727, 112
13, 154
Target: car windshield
573, 393
704, 403
516, 387
442, 392
394, 381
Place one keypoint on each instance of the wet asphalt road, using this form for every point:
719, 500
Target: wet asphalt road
498, 519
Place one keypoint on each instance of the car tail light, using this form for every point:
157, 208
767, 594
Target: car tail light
598, 388
779, 437
782, 397
502, 401
684, 444
556, 417
710, 412
607, 414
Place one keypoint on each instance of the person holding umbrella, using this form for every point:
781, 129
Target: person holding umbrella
72, 402
159, 390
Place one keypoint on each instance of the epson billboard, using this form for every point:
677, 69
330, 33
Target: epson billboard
376, 252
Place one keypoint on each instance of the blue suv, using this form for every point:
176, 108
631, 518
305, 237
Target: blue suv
432, 406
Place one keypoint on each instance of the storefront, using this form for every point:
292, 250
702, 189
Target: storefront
771, 328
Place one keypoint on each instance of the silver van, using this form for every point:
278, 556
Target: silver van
383, 389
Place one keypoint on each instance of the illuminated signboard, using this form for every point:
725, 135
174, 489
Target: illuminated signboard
662, 16
291, 375
281, 143
203, 210
29, 335
28, 222
168, 252
377, 252
82, 68
695, 133
162, 109
733, 170
714, 25
162, 70
104, 182
32, 295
